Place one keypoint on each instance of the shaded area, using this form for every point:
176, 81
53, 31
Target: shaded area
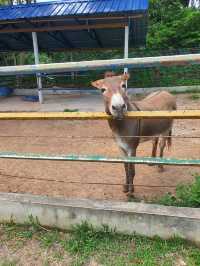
73, 24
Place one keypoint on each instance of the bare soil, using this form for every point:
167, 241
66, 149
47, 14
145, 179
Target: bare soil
53, 137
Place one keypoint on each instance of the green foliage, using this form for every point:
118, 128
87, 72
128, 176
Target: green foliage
172, 25
86, 245
50, 238
85, 239
178, 33
187, 195
195, 97
109, 248
8, 262
162, 11
70, 110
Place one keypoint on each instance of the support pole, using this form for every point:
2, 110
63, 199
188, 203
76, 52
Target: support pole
126, 46
37, 61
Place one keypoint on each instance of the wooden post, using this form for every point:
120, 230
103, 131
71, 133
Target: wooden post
37, 61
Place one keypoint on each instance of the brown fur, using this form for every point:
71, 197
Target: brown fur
130, 132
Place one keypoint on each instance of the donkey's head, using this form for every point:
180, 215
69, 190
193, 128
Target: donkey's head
114, 94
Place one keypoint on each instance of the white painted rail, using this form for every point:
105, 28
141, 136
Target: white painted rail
173, 60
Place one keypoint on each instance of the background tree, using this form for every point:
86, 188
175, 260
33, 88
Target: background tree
171, 25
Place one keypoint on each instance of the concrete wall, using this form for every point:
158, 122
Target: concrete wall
144, 219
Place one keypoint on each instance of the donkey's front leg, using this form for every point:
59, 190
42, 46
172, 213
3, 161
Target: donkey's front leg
130, 173
126, 186
131, 178
154, 149
162, 145
131, 170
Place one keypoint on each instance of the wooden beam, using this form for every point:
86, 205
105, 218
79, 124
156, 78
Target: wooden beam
180, 114
66, 27
64, 18
159, 61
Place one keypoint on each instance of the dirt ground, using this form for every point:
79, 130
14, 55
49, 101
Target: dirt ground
53, 178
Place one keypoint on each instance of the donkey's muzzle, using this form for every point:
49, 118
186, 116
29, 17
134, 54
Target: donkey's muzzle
118, 111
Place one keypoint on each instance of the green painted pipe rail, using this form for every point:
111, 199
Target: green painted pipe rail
98, 158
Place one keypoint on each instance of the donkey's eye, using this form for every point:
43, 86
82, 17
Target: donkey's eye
103, 90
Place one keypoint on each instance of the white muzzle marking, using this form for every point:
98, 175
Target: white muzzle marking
117, 102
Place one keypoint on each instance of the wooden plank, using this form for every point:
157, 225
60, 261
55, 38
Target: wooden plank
65, 18
157, 61
65, 27
180, 114
100, 159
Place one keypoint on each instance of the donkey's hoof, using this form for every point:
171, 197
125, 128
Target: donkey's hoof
131, 190
130, 194
151, 164
125, 188
161, 169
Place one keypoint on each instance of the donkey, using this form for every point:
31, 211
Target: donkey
163, 141
128, 133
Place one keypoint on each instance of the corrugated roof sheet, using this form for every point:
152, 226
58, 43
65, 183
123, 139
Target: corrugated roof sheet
73, 8
73, 12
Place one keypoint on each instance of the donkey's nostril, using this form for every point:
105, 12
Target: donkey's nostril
113, 107
124, 106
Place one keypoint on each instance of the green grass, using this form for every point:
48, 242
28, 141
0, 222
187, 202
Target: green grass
104, 246
195, 97
194, 91
71, 110
7, 262
187, 195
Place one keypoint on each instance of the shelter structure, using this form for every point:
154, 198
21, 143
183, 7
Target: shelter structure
73, 24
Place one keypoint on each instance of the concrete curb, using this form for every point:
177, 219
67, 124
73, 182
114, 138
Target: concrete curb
124, 217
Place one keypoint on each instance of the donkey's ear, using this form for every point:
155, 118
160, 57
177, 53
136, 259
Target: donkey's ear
125, 76
97, 84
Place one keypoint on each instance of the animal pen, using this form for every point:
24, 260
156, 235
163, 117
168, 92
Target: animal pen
72, 24
145, 219
88, 24
102, 64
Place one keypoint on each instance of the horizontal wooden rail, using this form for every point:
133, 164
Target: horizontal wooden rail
157, 61
65, 27
180, 114
102, 159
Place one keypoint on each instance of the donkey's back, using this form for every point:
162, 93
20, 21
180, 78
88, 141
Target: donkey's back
160, 100
156, 101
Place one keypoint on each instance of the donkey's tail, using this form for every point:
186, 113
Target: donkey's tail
169, 140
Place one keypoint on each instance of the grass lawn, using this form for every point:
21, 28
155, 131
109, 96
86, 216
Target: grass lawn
32, 244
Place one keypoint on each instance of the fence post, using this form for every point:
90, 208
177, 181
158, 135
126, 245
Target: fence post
37, 61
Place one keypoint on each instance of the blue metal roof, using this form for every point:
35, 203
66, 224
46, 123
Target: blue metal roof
34, 17
73, 8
